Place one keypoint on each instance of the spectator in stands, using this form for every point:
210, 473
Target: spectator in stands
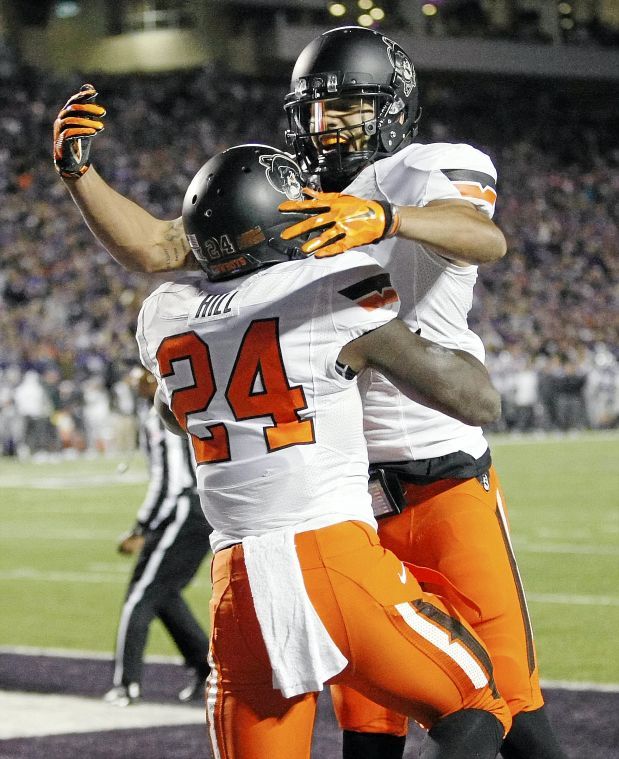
601, 391
34, 406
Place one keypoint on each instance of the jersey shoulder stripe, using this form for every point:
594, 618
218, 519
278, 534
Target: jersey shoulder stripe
440, 155
373, 292
468, 175
473, 184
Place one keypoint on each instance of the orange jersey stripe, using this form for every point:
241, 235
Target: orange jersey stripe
475, 190
376, 300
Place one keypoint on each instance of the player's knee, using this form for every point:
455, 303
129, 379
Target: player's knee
392, 723
532, 736
372, 745
467, 734
512, 678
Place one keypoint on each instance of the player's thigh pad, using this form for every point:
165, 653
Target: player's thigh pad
404, 648
247, 717
460, 528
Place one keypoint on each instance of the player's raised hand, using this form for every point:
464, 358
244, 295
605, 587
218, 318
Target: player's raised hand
341, 221
78, 122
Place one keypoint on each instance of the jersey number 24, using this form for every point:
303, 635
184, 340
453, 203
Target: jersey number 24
259, 355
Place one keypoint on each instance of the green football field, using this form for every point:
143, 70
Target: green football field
62, 582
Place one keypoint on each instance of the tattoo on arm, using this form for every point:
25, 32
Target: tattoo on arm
174, 246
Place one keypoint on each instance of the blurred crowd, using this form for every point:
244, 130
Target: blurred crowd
579, 22
547, 312
583, 23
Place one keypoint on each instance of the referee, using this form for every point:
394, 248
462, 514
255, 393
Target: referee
171, 536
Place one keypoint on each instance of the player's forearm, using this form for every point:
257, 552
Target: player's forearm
167, 417
132, 236
447, 382
463, 232
450, 381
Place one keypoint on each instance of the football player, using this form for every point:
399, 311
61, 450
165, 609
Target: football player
257, 360
427, 209
424, 212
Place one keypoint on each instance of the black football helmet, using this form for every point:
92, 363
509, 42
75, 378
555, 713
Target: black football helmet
230, 210
343, 67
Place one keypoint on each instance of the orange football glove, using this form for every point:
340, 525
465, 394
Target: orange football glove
343, 222
77, 123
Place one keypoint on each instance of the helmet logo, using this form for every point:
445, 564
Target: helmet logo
283, 175
404, 71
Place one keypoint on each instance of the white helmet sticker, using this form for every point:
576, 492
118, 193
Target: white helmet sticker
403, 66
283, 175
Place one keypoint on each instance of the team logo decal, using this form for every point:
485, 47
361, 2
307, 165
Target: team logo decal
484, 481
403, 66
76, 149
283, 175
372, 293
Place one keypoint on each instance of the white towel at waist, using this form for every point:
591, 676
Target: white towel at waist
302, 654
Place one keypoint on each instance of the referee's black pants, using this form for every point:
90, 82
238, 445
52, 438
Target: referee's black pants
171, 556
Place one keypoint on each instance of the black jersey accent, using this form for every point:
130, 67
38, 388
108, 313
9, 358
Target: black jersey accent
468, 175
375, 284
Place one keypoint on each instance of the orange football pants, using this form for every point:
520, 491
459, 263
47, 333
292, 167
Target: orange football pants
459, 528
405, 650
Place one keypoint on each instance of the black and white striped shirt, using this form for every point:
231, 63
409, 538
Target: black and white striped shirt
171, 471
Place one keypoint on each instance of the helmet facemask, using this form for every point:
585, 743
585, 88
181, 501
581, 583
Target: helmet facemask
336, 136
342, 119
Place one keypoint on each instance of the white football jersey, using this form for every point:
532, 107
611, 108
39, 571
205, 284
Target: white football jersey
249, 367
436, 294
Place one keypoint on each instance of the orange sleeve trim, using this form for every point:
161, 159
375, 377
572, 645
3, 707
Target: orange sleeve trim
475, 190
377, 300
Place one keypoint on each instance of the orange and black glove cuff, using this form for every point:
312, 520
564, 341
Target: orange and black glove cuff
78, 122
338, 223
392, 219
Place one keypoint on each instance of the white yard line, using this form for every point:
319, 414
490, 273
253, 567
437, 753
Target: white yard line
523, 546
65, 483
95, 578
56, 715
535, 438
28, 573
71, 653
54, 534
81, 534
570, 599
582, 686
19, 574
